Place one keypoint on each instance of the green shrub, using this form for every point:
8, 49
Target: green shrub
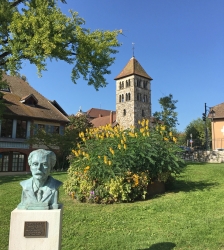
112, 164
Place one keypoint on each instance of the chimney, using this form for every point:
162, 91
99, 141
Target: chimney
111, 117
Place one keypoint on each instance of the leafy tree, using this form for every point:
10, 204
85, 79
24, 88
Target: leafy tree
167, 115
62, 144
196, 128
37, 30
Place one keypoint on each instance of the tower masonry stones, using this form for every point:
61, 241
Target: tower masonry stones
133, 94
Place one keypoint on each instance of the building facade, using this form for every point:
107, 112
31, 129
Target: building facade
217, 124
26, 111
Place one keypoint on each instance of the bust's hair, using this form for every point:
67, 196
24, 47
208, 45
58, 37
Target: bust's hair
50, 156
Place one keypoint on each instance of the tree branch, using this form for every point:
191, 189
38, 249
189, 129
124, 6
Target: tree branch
4, 54
17, 2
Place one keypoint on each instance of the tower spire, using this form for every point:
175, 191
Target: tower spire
133, 48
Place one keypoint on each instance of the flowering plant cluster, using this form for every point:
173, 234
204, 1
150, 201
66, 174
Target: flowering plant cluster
112, 164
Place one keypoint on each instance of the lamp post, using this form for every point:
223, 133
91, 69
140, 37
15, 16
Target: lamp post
212, 113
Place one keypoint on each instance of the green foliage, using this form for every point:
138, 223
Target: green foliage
37, 30
196, 128
62, 144
167, 116
121, 163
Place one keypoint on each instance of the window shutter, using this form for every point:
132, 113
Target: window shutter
61, 130
35, 129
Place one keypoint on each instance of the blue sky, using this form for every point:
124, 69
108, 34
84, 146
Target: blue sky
180, 44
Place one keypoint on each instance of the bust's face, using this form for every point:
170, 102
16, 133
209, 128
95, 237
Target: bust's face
40, 167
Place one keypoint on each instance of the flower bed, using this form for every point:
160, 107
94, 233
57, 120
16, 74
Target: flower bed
116, 165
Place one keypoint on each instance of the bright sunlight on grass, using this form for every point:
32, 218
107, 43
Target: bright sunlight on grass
189, 216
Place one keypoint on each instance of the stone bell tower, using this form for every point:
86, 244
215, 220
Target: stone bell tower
133, 94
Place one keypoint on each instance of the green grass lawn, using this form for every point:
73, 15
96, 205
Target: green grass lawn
190, 216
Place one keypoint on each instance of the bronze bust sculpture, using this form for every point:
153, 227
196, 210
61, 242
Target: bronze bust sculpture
40, 191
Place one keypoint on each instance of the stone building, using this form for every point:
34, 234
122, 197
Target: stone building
133, 94
133, 99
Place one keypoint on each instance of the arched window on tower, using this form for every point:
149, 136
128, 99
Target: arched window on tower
139, 83
126, 97
122, 85
124, 112
137, 96
129, 96
145, 98
143, 113
145, 84
128, 83
119, 98
122, 98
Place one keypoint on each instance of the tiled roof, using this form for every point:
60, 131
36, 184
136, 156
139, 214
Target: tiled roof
103, 121
219, 111
20, 90
95, 113
133, 67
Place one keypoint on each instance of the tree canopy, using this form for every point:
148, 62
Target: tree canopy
167, 115
196, 131
64, 142
37, 30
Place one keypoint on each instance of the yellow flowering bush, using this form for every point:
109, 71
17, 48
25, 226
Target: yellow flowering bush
113, 165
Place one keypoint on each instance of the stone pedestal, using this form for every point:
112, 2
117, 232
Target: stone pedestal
52, 238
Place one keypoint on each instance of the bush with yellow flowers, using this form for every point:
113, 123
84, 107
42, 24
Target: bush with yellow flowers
114, 165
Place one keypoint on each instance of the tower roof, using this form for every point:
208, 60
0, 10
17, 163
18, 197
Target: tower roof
133, 67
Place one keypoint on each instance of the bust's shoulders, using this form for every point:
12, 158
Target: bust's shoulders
27, 182
53, 183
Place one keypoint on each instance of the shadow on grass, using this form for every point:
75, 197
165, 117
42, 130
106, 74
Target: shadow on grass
160, 246
188, 186
13, 178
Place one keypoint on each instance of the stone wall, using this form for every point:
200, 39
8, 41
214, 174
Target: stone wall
205, 156
129, 112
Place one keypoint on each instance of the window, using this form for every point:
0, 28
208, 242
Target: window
122, 98
129, 96
126, 97
119, 98
139, 97
143, 113
41, 126
139, 83
128, 83
18, 162
124, 112
6, 128
55, 129
120, 85
145, 84
5, 89
145, 98
4, 162
21, 129
51, 129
